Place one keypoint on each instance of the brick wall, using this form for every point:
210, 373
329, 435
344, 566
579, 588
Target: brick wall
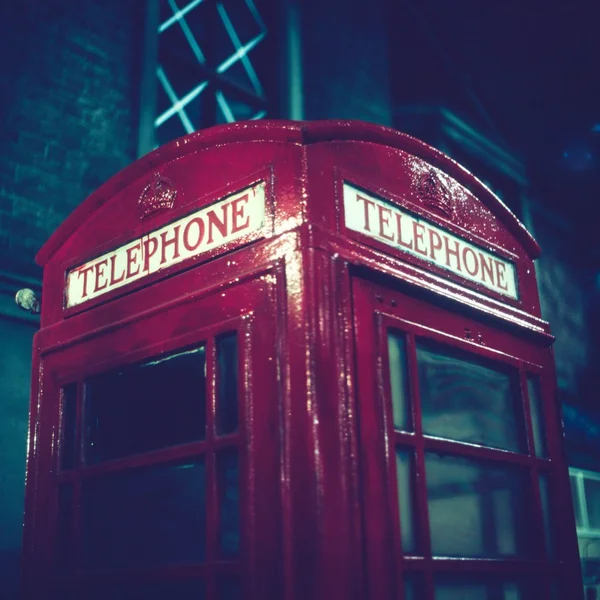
69, 102
68, 121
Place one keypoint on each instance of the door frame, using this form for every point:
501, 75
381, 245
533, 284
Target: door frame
378, 308
245, 307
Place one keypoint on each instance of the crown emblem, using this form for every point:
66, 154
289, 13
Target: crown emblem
434, 193
158, 195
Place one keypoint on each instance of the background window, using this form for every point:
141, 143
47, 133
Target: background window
585, 487
212, 65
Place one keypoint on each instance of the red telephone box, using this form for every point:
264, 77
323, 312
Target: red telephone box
295, 361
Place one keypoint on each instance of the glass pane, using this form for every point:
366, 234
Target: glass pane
229, 503
229, 589
537, 415
461, 591
149, 516
68, 452
179, 61
227, 374
405, 479
476, 509
245, 22
202, 110
243, 73
546, 512
155, 590
575, 496
64, 528
413, 586
146, 406
232, 107
468, 400
592, 500
473, 588
399, 386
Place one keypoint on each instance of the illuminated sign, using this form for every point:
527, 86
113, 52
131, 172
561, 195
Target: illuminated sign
382, 221
228, 220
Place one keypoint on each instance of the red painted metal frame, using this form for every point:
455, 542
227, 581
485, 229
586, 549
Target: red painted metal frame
317, 481
377, 310
202, 320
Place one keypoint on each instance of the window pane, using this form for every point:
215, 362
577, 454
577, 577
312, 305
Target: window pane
476, 509
482, 590
145, 407
592, 499
401, 408
182, 71
467, 400
149, 516
537, 415
227, 395
413, 586
546, 512
64, 528
229, 503
461, 591
407, 509
575, 496
68, 452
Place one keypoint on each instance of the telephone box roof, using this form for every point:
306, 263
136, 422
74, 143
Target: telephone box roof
291, 132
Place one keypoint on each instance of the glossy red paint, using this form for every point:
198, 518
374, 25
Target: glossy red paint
312, 300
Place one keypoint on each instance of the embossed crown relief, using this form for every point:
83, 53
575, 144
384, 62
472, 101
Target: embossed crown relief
434, 193
157, 196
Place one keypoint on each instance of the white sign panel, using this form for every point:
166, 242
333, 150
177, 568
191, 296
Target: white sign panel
390, 225
226, 221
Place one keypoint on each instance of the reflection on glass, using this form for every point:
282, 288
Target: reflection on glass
401, 409
149, 516
228, 480
576, 504
229, 588
467, 589
537, 415
64, 528
476, 509
592, 499
405, 480
546, 512
461, 591
413, 586
68, 451
183, 589
146, 407
467, 400
227, 393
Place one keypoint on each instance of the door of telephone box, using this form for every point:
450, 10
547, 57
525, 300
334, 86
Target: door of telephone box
461, 464
163, 435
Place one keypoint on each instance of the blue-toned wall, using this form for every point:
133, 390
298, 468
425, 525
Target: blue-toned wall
68, 121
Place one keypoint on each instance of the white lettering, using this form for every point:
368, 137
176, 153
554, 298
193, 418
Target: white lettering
382, 221
228, 220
